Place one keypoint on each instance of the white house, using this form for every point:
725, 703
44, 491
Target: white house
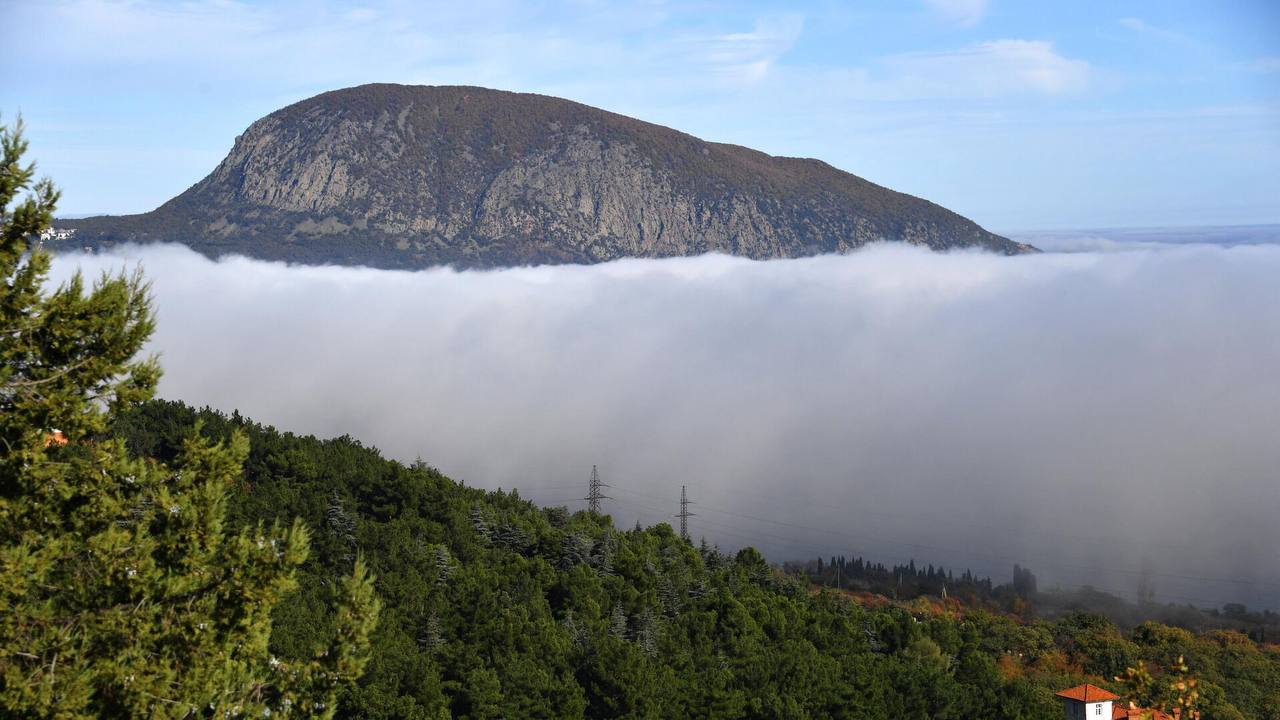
1090, 702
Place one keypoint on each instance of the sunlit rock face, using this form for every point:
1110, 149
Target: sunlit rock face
413, 176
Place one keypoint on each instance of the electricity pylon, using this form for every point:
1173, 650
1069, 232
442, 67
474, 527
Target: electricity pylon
684, 513
594, 496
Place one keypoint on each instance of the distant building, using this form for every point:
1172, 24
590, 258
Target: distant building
1090, 702
54, 437
56, 234
1085, 702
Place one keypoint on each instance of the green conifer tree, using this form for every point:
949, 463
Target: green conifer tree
618, 622
121, 592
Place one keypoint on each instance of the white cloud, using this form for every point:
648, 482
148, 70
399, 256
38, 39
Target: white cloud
988, 69
292, 44
1004, 68
1141, 26
362, 14
748, 56
965, 13
964, 401
1133, 23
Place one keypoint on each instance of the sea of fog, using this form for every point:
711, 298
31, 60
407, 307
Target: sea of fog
1086, 412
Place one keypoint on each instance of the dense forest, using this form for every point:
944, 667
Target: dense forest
494, 607
1022, 596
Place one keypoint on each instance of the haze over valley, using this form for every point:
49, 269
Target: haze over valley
1085, 414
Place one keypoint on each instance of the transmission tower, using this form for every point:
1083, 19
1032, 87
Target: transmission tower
594, 496
684, 513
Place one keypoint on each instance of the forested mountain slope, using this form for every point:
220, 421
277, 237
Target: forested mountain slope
495, 608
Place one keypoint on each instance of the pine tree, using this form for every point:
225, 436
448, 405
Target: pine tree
575, 549
602, 553
121, 592
444, 565
577, 632
647, 632
432, 637
669, 596
618, 622
481, 524
342, 526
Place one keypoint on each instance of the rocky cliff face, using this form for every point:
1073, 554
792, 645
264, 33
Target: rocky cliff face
411, 176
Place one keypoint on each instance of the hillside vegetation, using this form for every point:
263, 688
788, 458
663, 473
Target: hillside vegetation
494, 607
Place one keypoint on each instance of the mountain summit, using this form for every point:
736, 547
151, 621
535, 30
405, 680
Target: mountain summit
412, 176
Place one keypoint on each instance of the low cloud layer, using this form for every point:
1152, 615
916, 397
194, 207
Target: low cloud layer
1082, 414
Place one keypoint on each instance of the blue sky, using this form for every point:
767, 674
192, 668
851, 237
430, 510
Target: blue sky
1021, 115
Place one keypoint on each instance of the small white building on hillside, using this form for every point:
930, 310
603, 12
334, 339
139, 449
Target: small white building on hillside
57, 234
1090, 702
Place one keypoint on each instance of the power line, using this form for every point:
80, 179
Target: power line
988, 556
754, 536
919, 518
595, 496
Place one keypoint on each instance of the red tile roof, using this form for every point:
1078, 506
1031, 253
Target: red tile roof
1088, 693
1092, 693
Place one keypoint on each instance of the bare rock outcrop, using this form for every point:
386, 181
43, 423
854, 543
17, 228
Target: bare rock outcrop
412, 176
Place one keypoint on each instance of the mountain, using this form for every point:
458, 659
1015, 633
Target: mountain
412, 176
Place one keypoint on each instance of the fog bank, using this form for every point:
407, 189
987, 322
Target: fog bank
1078, 413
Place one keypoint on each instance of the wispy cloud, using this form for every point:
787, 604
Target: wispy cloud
1143, 27
292, 44
362, 14
748, 56
988, 69
1134, 23
965, 13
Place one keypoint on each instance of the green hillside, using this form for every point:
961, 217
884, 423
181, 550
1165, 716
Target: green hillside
494, 607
